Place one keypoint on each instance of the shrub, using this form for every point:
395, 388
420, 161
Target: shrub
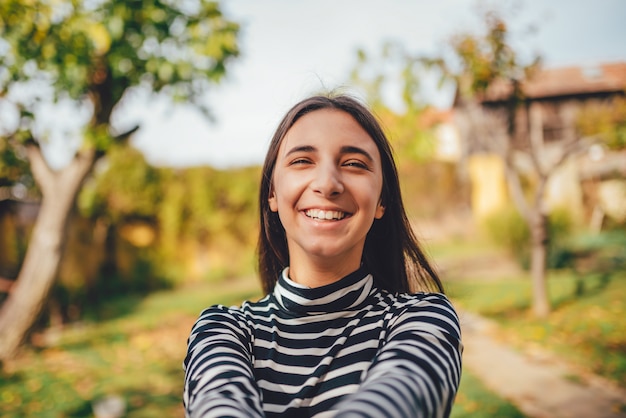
507, 228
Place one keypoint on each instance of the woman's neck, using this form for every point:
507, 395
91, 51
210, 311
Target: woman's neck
315, 274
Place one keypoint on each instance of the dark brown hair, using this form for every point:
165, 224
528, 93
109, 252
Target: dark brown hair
391, 253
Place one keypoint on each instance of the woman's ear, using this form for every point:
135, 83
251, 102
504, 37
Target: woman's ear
272, 201
380, 211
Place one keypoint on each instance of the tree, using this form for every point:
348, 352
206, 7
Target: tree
394, 69
479, 63
487, 62
92, 54
607, 121
396, 85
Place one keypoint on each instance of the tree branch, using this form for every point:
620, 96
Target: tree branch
612, 166
516, 189
569, 149
80, 166
42, 173
536, 143
125, 135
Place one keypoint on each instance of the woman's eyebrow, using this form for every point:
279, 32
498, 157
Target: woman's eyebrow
301, 148
350, 149
347, 149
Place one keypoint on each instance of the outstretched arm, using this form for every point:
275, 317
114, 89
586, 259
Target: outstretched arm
417, 372
219, 379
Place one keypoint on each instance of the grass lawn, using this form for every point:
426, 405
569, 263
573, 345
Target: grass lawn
586, 327
136, 355
475, 401
136, 350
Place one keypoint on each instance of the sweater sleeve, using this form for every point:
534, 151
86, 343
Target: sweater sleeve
219, 378
417, 371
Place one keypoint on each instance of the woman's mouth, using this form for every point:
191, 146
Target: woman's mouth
325, 215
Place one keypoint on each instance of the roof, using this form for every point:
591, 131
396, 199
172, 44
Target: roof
566, 81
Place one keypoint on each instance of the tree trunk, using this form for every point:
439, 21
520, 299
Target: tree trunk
43, 256
539, 237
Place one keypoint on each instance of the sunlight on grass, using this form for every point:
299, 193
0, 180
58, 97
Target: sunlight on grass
138, 355
586, 326
459, 248
475, 401
134, 347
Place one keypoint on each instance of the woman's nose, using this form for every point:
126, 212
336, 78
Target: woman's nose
327, 181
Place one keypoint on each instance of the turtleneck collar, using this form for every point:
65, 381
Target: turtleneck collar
344, 294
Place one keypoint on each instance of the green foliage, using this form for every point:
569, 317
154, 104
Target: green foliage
170, 216
586, 326
142, 228
421, 199
474, 400
14, 169
485, 58
560, 230
76, 43
206, 204
600, 253
197, 213
412, 138
89, 54
126, 187
507, 228
95, 51
594, 341
606, 120
131, 347
376, 74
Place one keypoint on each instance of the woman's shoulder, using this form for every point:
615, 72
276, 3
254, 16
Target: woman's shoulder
237, 311
421, 299
430, 298
423, 306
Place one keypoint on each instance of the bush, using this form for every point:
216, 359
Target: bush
560, 229
600, 253
507, 228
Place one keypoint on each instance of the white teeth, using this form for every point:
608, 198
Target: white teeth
325, 214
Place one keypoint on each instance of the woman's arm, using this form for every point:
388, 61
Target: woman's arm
219, 379
417, 372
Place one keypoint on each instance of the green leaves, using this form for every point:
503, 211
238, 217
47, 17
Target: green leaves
97, 51
606, 120
484, 58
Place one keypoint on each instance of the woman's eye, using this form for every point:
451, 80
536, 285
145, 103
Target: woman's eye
300, 161
356, 163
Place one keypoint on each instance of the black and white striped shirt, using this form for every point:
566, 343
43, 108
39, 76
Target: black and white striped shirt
346, 349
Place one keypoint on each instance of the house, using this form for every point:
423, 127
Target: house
543, 120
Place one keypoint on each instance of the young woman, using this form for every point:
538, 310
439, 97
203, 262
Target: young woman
340, 333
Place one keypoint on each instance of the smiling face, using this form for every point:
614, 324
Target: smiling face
326, 188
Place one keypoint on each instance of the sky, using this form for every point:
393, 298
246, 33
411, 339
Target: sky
293, 48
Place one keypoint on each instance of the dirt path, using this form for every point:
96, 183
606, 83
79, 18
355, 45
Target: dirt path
540, 386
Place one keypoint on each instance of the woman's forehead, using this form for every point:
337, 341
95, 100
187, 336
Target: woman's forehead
327, 128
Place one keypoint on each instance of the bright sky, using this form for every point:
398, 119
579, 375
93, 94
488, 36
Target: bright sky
291, 49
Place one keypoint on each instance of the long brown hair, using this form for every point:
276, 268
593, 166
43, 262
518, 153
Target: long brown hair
391, 253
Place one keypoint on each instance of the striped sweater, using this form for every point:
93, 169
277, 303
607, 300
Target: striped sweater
346, 349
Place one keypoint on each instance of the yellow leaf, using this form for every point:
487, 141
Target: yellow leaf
99, 37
